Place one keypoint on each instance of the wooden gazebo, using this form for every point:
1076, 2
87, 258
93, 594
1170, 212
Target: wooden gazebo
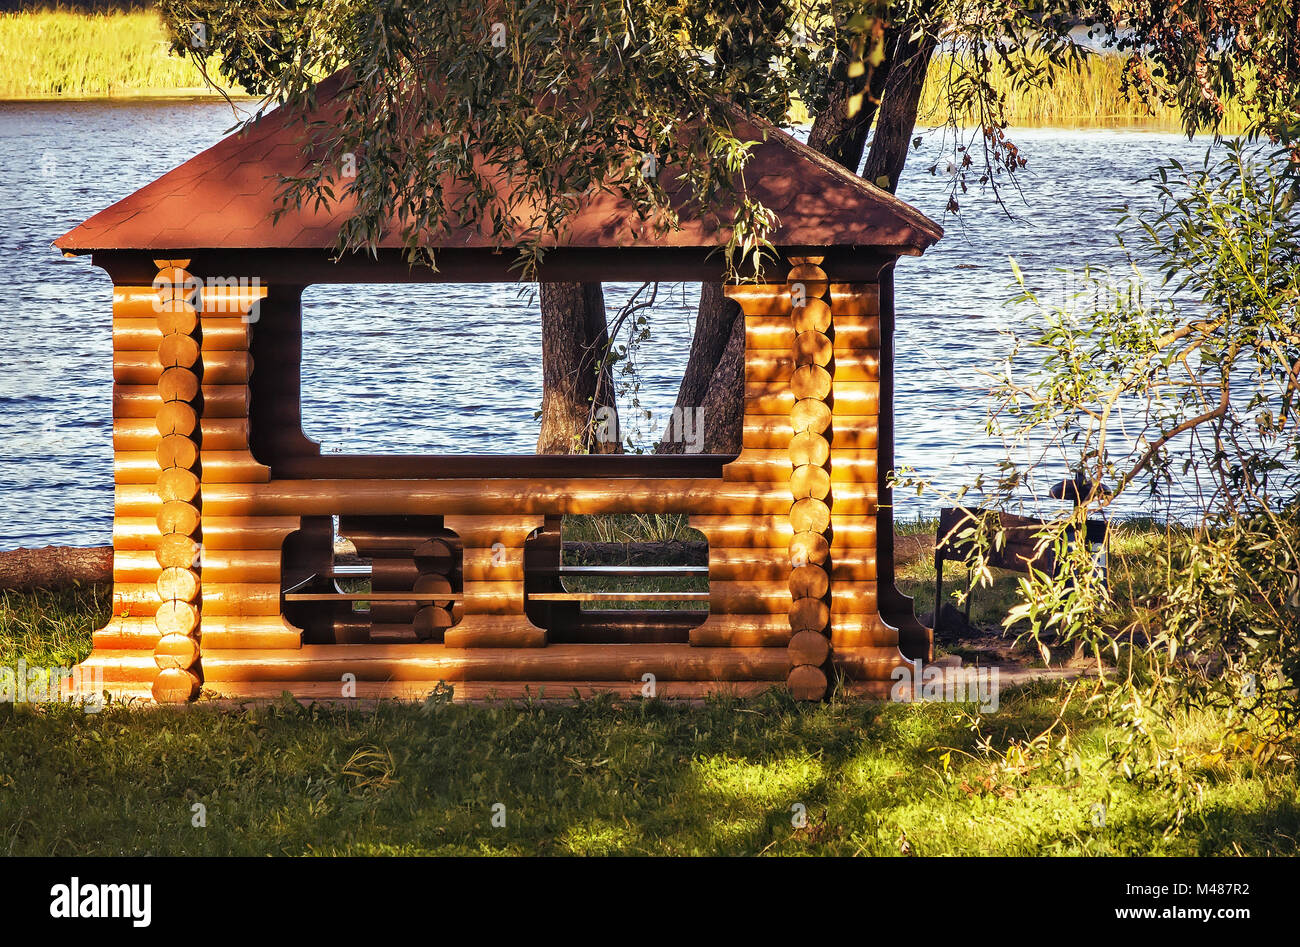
224, 571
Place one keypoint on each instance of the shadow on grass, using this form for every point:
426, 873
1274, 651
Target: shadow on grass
727, 778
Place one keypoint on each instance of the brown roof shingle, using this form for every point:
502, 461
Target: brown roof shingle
224, 199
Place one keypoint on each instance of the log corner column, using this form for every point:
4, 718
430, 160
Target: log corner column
810, 485
176, 652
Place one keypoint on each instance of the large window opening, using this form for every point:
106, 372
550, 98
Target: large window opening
445, 369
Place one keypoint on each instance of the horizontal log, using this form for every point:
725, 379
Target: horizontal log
745, 531
809, 482
244, 598
222, 303
850, 398
769, 365
813, 317
489, 691
746, 565
848, 466
475, 632
232, 466
767, 432
853, 532
809, 647
812, 348
176, 618
127, 666
174, 686
177, 516
247, 532
807, 280
136, 334
742, 631
868, 663
143, 401
760, 299
248, 633
484, 531
135, 566
807, 683
483, 565
431, 662
176, 450
808, 614
860, 365
397, 543
808, 582
769, 333
854, 565
175, 483
855, 299
135, 599
174, 583
136, 534
493, 500
136, 301
493, 598
770, 467
134, 633
856, 335
220, 367
240, 565
853, 598
138, 468
862, 631
855, 432
176, 651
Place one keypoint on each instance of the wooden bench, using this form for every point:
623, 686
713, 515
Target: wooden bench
1020, 552
626, 571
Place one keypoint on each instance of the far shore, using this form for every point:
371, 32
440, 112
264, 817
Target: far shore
66, 56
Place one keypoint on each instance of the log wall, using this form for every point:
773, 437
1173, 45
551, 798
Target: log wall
200, 524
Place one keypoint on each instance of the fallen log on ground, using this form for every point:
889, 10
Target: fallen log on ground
55, 567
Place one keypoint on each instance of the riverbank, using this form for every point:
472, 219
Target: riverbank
62, 55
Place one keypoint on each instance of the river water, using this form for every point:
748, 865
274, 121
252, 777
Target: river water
414, 386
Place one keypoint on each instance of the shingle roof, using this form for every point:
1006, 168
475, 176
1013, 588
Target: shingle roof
224, 199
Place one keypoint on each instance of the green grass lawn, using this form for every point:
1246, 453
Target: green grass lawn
594, 777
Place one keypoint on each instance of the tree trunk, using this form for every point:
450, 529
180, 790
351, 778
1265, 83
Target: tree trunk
835, 133
719, 333
896, 120
578, 404
722, 410
55, 567
713, 330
